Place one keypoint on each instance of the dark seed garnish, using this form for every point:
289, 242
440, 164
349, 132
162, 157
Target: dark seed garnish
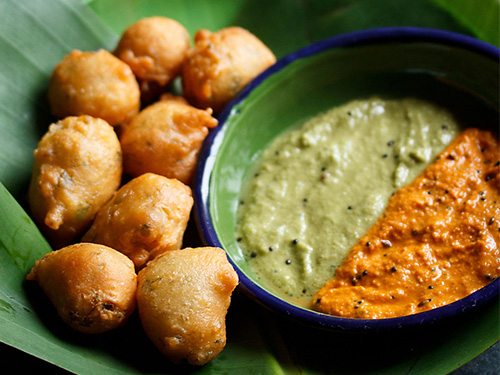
491, 221
394, 269
384, 156
270, 248
430, 287
488, 177
390, 143
239, 239
253, 254
367, 244
424, 302
288, 261
386, 243
295, 241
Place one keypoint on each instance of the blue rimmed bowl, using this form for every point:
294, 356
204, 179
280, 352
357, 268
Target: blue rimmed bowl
441, 66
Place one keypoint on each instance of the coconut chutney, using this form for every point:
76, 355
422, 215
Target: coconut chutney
318, 188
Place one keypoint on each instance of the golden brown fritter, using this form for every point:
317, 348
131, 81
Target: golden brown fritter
92, 287
221, 64
155, 49
145, 218
183, 297
96, 84
78, 167
165, 138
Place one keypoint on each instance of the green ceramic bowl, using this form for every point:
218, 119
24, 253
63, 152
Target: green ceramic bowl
443, 67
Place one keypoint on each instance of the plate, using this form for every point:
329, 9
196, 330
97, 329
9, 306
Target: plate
391, 63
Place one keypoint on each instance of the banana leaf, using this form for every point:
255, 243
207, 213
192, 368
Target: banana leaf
482, 20
284, 25
34, 35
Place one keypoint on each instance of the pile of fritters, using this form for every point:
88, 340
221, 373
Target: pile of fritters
106, 233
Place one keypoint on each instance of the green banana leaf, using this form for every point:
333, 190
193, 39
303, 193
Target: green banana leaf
34, 35
482, 20
284, 25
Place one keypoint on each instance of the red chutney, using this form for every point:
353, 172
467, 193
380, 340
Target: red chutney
437, 241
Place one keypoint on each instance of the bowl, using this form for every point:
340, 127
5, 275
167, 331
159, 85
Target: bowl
391, 62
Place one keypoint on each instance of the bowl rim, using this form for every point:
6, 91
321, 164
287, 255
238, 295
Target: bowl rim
212, 143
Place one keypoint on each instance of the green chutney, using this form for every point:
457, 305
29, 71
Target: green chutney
318, 188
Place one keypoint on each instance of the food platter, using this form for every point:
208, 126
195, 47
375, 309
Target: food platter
259, 342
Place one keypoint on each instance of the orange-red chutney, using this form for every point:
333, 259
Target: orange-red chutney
437, 241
